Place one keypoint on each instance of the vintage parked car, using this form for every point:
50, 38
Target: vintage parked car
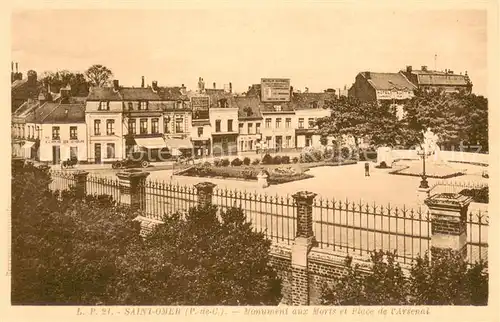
70, 163
142, 159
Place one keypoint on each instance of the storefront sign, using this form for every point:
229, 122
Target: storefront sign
275, 89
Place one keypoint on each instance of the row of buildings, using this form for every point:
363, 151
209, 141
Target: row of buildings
112, 121
52, 125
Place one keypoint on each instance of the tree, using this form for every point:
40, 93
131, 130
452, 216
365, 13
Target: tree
457, 118
59, 79
98, 75
68, 250
447, 280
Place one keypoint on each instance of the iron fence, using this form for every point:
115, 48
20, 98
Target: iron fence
61, 180
338, 225
449, 186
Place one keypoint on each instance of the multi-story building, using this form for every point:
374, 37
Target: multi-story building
371, 86
446, 81
249, 123
57, 131
223, 115
104, 119
308, 108
278, 131
137, 119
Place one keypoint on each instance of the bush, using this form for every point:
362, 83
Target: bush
383, 165
447, 280
207, 164
246, 161
478, 195
311, 154
267, 159
256, 161
236, 162
295, 159
217, 162
285, 159
225, 162
277, 159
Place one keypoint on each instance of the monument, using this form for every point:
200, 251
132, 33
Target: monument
435, 165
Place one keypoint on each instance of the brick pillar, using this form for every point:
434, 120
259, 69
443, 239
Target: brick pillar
448, 223
132, 190
205, 191
80, 183
304, 241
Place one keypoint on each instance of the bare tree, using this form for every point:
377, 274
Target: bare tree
98, 75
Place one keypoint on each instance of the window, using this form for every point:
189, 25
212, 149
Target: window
268, 141
179, 124
55, 133
130, 106
240, 129
217, 125
314, 104
103, 106
97, 127
110, 150
288, 122
179, 105
310, 122
278, 123
73, 134
73, 152
277, 108
257, 128
132, 126
110, 127
200, 131
166, 124
143, 127
301, 123
230, 125
288, 142
154, 126
250, 128
268, 123
250, 145
143, 105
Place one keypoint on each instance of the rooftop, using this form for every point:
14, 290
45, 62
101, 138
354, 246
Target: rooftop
388, 81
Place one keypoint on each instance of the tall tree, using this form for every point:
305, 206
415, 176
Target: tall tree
62, 78
98, 75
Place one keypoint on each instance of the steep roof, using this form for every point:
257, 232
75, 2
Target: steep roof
26, 108
54, 113
306, 100
388, 81
441, 78
248, 107
136, 94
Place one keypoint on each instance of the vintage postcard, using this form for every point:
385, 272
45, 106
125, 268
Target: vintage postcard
276, 160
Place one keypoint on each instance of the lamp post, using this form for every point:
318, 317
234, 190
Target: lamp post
423, 183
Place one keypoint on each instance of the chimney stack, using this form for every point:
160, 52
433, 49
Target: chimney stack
116, 85
408, 69
154, 85
214, 86
12, 66
368, 75
17, 71
142, 82
230, 87
424, 68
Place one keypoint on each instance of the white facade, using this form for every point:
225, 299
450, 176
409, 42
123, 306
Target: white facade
54, 149
248, 137
304, 118
105, 132
278, 130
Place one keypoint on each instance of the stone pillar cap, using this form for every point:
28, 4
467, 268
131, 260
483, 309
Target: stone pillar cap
304, 195
451, 200
80, 172
204, 185
132, 174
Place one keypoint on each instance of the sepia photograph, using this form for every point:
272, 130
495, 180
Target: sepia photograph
261, 157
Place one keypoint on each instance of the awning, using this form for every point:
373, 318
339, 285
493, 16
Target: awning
180, 144
28, 144
151, 143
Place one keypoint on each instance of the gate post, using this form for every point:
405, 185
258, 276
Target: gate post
132, 190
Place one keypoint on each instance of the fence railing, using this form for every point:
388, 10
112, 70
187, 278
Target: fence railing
338, 225
450, 186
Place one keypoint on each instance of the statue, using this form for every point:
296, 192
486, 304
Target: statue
430, 142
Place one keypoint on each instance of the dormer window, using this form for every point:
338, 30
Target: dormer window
143, 105
277, 108
130, 106
314, 104
179, 104
103, 106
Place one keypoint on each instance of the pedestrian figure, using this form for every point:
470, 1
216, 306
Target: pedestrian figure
367, 169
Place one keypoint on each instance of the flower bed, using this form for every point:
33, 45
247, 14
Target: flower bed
277, 173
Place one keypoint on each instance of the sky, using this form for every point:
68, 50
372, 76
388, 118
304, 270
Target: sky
317, 48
